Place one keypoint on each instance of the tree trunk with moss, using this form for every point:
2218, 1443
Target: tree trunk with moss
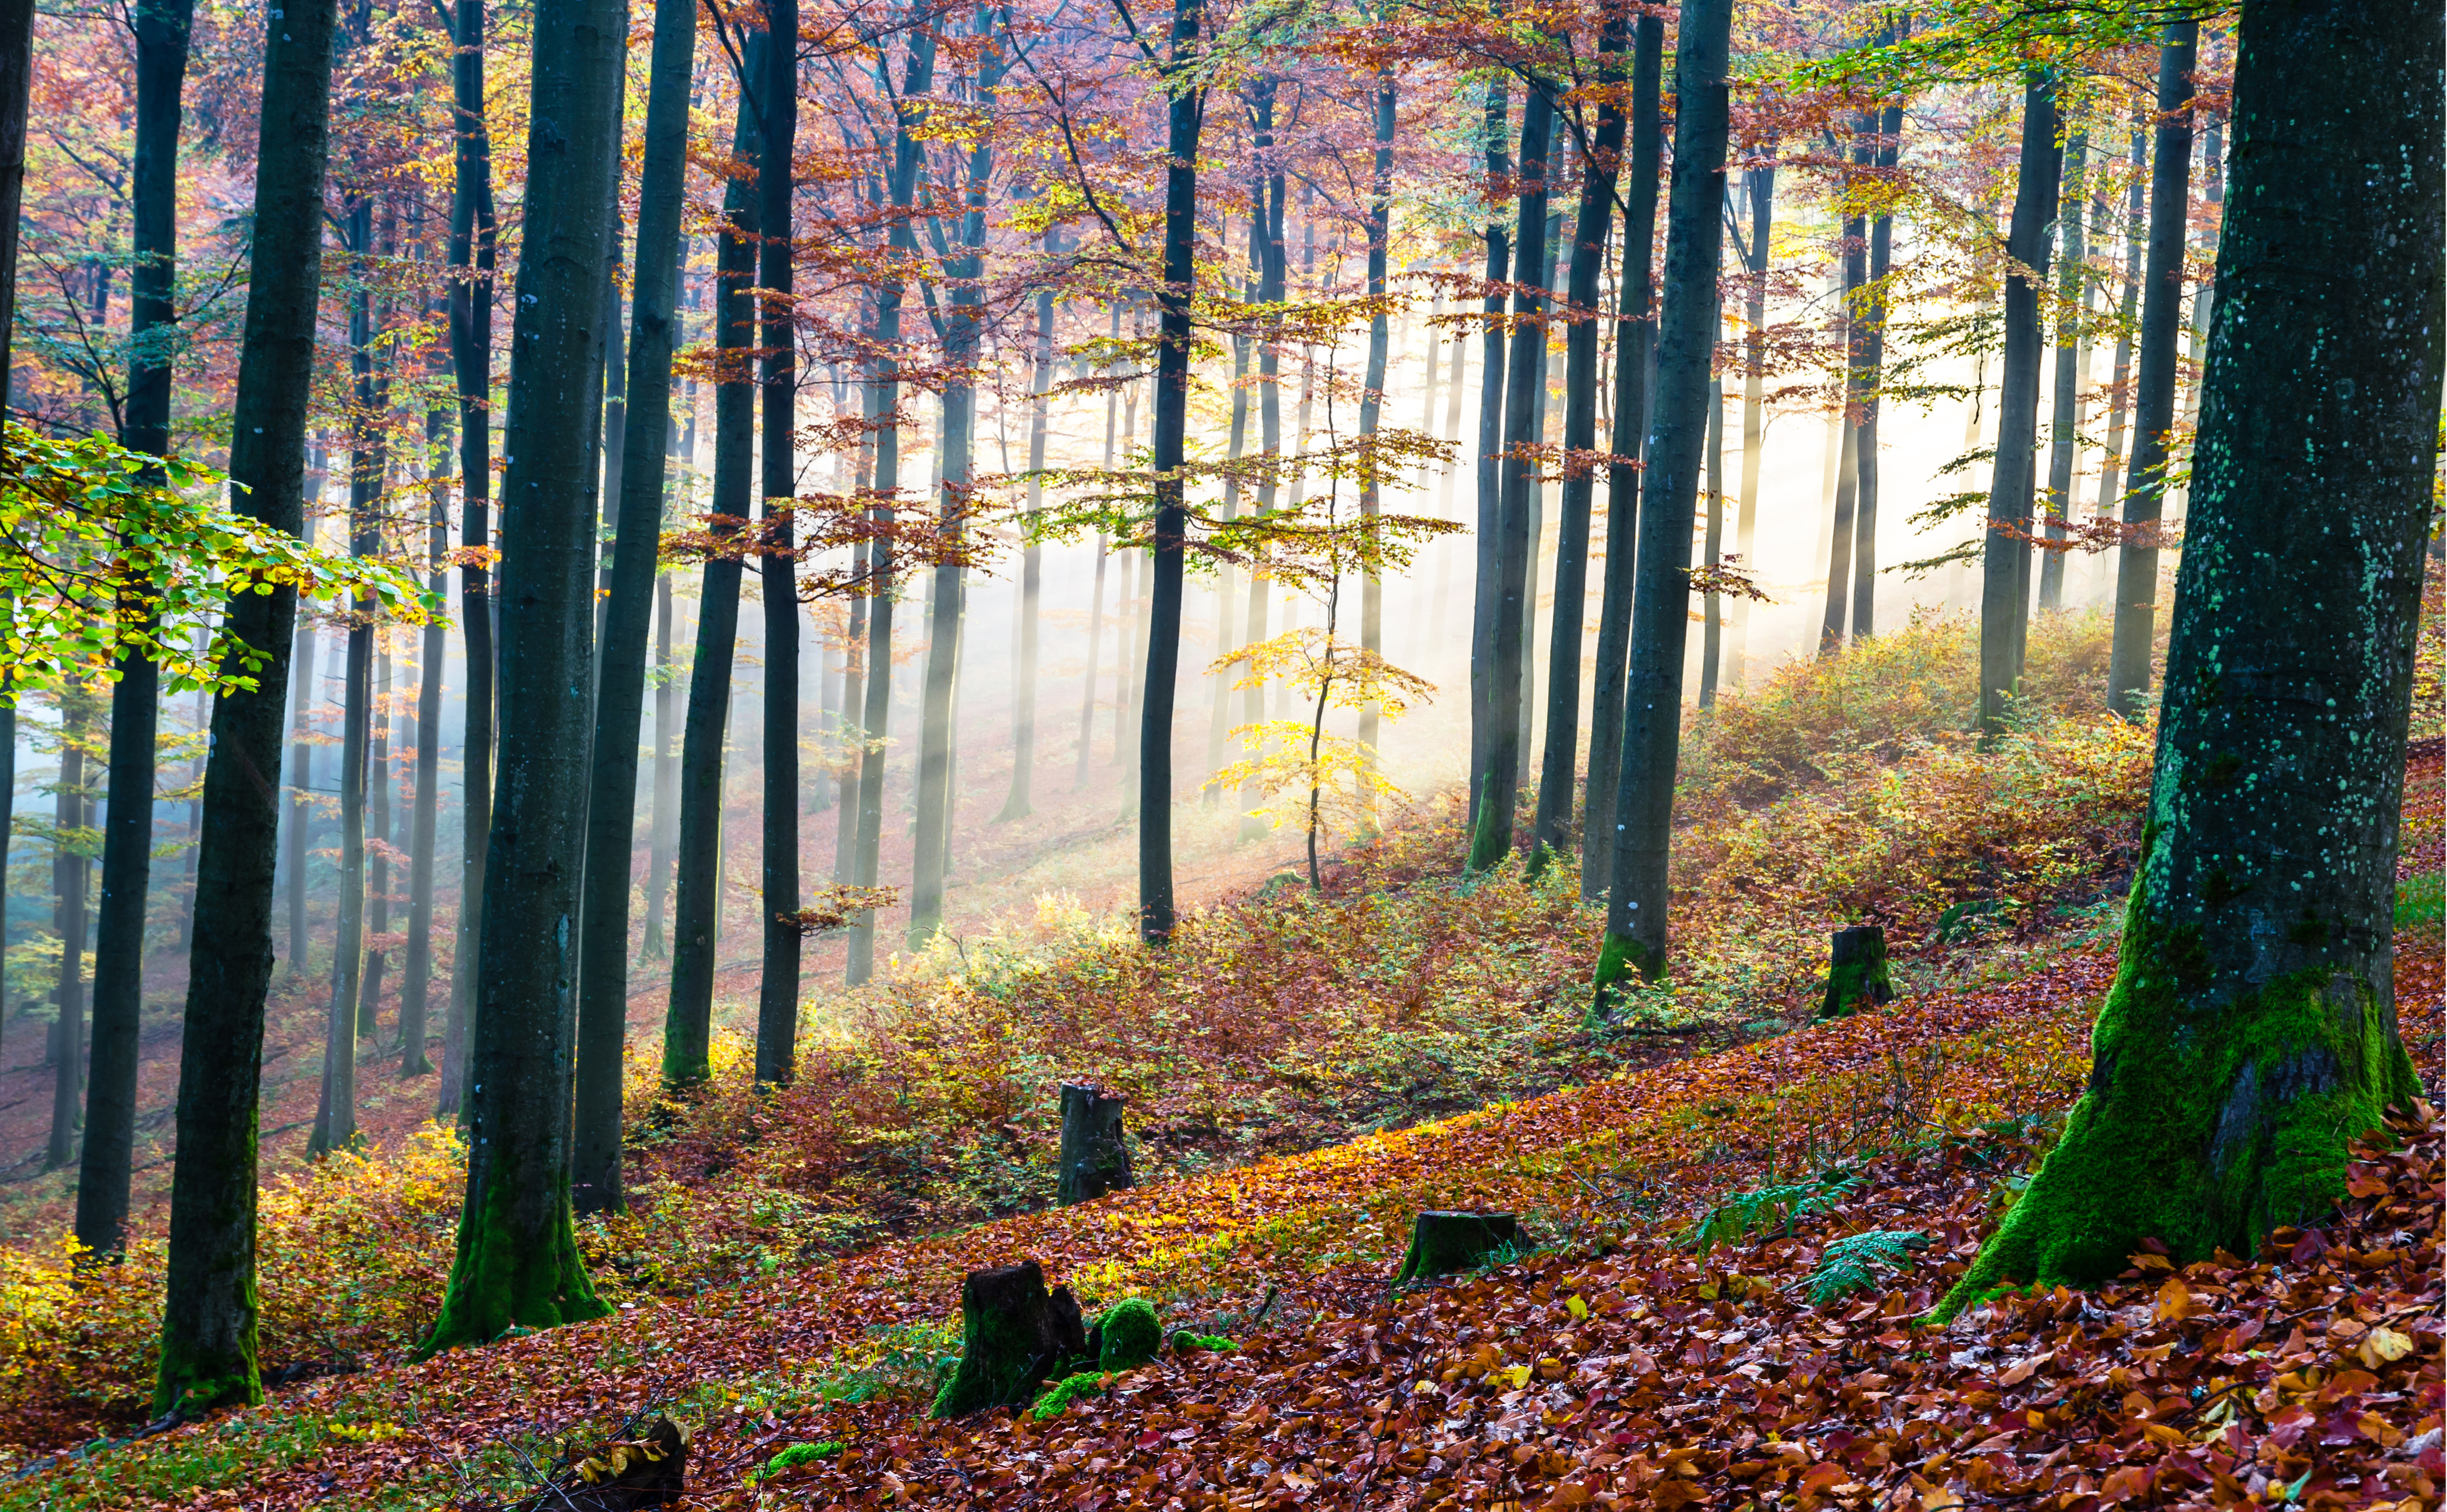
2251, 1034
1013, 1333
518, 1262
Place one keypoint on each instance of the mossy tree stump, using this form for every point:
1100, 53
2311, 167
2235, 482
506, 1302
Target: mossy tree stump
1856, 970
1014, 1334
1443, 1242
1094, 1160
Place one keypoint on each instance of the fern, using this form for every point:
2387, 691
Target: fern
1860, 1261
1737, 1217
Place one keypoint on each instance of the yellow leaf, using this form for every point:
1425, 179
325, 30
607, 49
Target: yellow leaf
1518, 1375
1576, 1307
2382, 1347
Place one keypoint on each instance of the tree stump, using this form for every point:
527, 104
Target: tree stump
625, 1476
1094, 1160
1442, 1243
1013, 1333
1856, 969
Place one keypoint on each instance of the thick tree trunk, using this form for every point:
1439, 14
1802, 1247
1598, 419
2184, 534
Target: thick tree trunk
1873, 356
1695, 234
777, 991
2251, 1034
696, 908
642, 447
1509, 625
1560, 756
1761, 184
1171, 526
2064, 415
71, 878
208, 1320
2005, 577
1484, 589
518, 1262
1635, 337
162, 28
471, 360
2154, 388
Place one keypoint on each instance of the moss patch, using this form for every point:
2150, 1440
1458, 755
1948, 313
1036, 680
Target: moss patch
1130, 1333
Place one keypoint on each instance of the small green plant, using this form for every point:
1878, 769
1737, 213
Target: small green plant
907, 1361
1737, 1217
1861, 1261
1185, 1342
2421, 903
802, 1454
1067, 1391
1131, 1334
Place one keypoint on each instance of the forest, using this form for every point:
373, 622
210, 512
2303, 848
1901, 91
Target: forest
1825, 889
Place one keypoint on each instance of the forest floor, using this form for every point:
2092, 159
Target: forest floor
788, 1275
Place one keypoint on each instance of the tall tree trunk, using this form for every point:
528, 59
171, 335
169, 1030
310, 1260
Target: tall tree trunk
1021, 801
1509, 626
1694, 233
1095, 645
777, 993
471, 359
1560, 760
1848, 478
1712, 634
1486, 593
2065, 416
70, 880
416, 975
883, 406
16, 88
2127, 311
2004, 588
1267, 238
643, 445
1170, 403
518, 1264
162, 28
208, 1320
697, 909
2251, 1034
1874, 357
1760, 182
378, 832
657, 944
1220, 721
7, 821
2154, 388
301, 805
1372, 393
1634, 339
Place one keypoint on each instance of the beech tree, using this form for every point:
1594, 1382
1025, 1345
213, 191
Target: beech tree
2250, 1035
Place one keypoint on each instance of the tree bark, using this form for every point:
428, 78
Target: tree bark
2004, 587
70, 880
1561, 757
1170, 403
162, 30
611, 807
2154, 388
1372, 394
1636, 901
1021, 801
208, 1320
1094, 1158
471, 356
1874, 353
301, 811
2251, 1034
16, 88
518, 1263
1267, 238
1856, 971
2065, 416
777, 991
416, 974
1848, 478
696, 908
1508, 624
1634, 339
1712, 637
2127, 310
1485, 589
1760, 182
1443, 1244
1013, 1333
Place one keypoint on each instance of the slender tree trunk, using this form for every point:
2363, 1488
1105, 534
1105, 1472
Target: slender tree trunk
642, 452
2064, 417
70, 880
1021, 801
777, 993
378, 785
7, 821
162, 28
301, 810
697, 911
1694, 233
2251, 1034
1372, 395
2127, 312
918, 81
1095, 645
1170, 405
2154, 395
518, 1264
16, 88
208, 1321
1561, 758
1711, 635
1760, 181
657, 944
1267, 236
1220, 722
1634, 339
1492, 839
2005, 590
1873, 356
416, 976
471, 351
1486, 591
1856, 377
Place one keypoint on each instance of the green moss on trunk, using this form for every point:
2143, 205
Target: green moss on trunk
504, 1280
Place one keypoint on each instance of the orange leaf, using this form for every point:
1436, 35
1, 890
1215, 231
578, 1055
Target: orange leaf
2175, 1301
